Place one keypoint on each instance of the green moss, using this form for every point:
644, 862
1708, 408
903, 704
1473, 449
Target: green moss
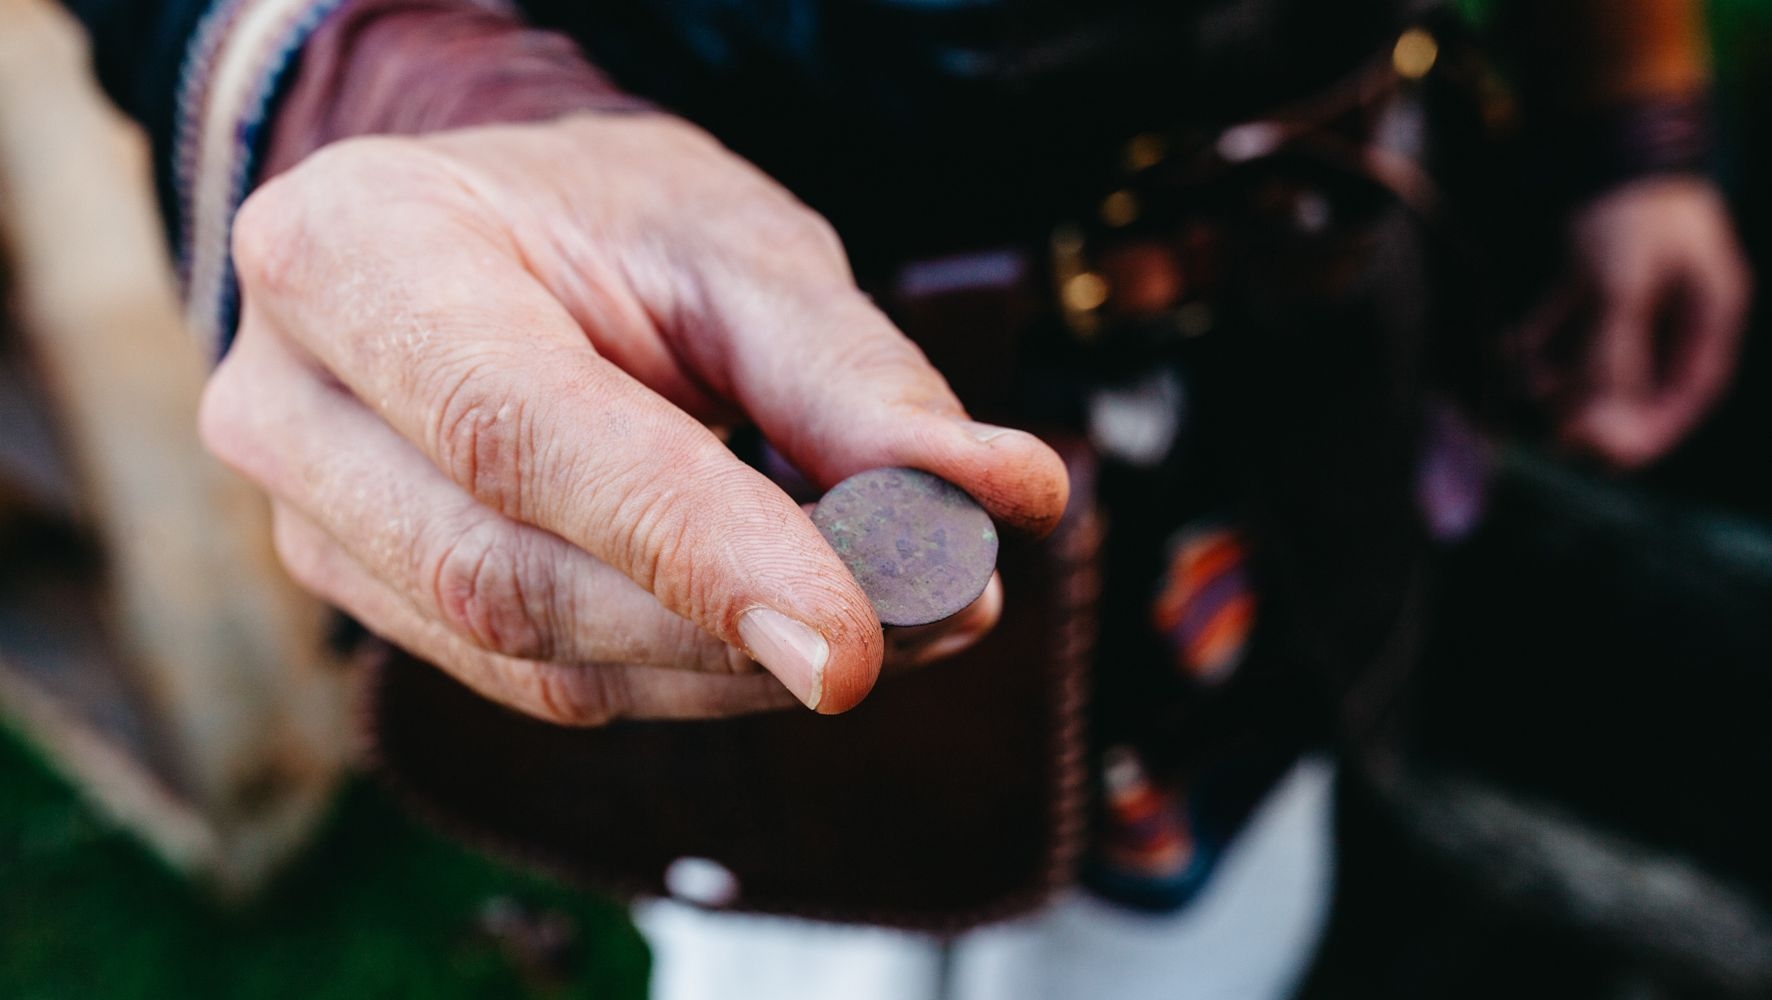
378, 908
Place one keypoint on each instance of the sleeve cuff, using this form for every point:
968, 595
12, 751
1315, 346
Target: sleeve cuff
1592, 153
366, 67
235, 65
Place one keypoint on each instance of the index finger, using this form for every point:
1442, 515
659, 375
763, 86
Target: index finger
839, 389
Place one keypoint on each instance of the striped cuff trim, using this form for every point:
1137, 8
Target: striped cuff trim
233, 70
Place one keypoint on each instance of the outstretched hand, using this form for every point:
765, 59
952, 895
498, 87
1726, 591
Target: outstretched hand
476, 372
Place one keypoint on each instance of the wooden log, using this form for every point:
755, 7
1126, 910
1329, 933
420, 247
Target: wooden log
228, 656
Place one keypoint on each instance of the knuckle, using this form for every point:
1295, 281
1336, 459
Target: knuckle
797, 234
271, 239
479, 432
882, 357
807, 229
646, 538
805, 234
486, 590
579, 696
658, 530
684, 544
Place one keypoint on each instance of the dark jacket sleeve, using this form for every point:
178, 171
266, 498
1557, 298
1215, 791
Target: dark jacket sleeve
1612, 90
138, 50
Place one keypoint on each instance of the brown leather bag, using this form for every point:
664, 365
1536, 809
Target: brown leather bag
953, 795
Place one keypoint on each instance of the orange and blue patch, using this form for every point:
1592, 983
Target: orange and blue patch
1147, 855
1205, 606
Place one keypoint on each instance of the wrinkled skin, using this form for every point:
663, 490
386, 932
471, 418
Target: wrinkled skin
476, 372
1642, 339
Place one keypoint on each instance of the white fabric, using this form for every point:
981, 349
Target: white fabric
1249, 936
701, 955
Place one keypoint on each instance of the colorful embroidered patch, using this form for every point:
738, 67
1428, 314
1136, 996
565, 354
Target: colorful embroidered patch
1206, 605
1148, 856
1146, 835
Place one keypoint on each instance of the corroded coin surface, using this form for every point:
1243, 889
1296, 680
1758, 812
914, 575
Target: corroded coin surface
918, 545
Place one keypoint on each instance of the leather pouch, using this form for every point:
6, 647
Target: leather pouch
955, 794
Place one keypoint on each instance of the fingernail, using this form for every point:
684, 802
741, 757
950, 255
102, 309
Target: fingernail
985, 433
793, 652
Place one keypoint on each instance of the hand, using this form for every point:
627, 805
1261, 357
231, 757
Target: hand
475, 372
1635, 349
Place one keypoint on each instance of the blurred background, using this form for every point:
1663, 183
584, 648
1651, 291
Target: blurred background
1569, 801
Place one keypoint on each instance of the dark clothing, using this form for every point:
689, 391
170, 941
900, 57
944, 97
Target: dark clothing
962, 122
909, 123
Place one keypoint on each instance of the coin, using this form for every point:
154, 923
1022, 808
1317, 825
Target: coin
920, 547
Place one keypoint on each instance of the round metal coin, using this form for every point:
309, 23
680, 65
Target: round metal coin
918, 545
